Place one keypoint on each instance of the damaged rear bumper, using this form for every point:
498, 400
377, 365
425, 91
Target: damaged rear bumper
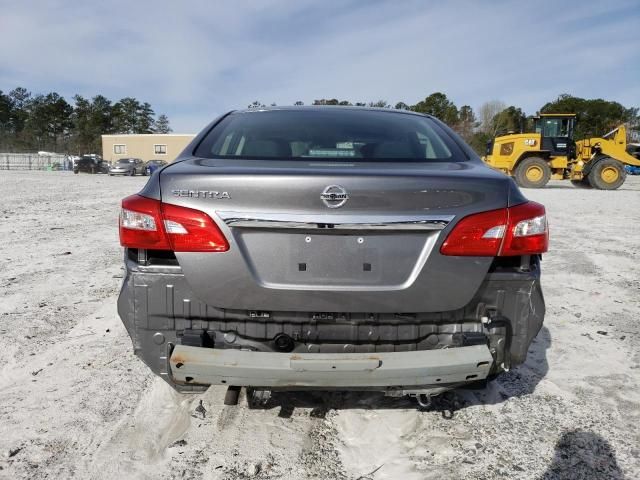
394, 353
404, 370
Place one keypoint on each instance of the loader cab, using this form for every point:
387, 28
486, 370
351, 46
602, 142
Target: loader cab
556, 132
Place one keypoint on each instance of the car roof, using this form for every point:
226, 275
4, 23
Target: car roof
327, 107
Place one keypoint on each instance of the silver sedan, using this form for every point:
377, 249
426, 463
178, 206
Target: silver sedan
128, 166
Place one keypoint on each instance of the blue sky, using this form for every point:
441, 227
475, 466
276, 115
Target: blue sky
195, 59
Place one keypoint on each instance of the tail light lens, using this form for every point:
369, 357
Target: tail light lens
519, 230
478, 235
141, 224
192, 230
150, 224
528, 232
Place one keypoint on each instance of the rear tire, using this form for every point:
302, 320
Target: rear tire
607, 174
532, 172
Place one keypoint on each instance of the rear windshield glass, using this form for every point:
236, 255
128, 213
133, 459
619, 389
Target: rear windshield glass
334, 134
125, 161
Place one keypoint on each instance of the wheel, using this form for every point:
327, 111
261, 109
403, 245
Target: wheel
532, 172
607, 174
93, 170
584, 183
76, 172
133, 172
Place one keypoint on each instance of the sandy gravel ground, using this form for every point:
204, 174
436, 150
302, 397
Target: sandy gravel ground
76, 403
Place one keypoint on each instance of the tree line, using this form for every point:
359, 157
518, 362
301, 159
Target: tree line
595, 117
35, 122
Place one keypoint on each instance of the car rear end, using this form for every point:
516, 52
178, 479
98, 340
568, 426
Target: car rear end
331, 249
122, 167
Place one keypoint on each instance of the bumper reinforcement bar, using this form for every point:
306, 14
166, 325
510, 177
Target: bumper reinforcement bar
211, 366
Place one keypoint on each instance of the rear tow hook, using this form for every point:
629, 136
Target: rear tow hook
426, 403
424, 400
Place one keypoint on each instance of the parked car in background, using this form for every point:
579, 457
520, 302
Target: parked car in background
153, 165
331, 248
128, 166
90, 164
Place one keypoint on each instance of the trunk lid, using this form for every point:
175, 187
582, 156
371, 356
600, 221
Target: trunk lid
334, 237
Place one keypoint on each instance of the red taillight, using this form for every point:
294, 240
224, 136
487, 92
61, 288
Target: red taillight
519, 230
192, 230
478, 235
150, 224
141, 224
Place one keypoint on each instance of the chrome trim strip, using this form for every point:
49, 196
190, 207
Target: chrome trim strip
335, 222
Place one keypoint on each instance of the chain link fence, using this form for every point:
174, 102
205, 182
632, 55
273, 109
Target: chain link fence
33, 161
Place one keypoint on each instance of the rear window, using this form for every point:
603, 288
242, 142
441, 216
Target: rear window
125, 161
333, 134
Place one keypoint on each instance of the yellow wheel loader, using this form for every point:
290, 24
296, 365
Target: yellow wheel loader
550, 152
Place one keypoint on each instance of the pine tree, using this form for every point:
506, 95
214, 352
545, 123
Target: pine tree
5, 121
125, 113
145, 122
82, 125
162, 124
438, 105
466, 123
